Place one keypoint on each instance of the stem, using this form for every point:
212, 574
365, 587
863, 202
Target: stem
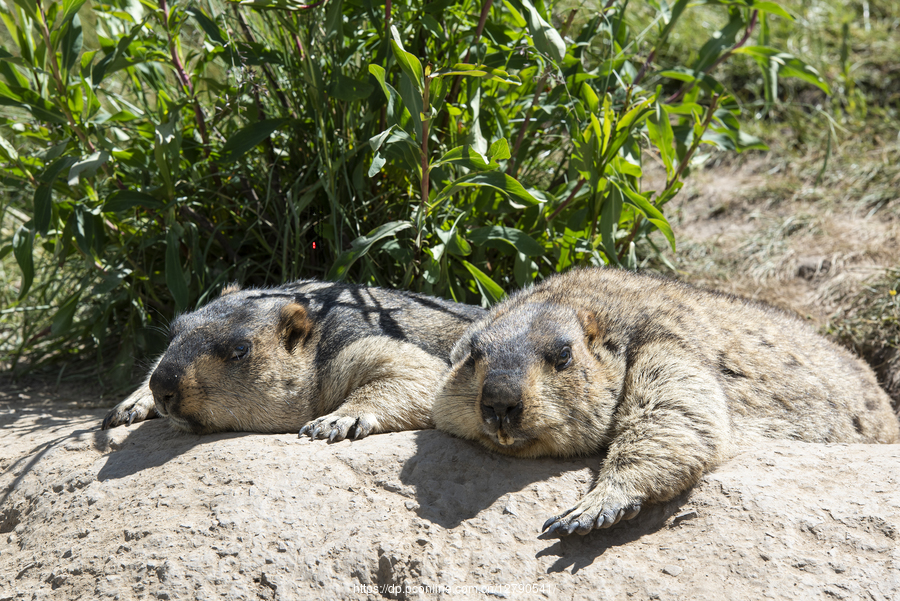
643, 70
567, 201
512, 167
387, 28
707, 119
688, 87
299, 45
60, 86
425, 173
185, 80
454, 89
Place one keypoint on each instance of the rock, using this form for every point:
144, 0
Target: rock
148, 513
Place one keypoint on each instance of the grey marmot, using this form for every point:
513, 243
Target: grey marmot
668, 378
326, 359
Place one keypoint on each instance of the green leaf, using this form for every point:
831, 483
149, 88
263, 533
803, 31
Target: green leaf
773, 8
389, 92
87, 165
659, 129
362, 246
208, 25
22, 245
546, 39
786, 65
334, 19
466, 156
412, 99
521, 241
7, 150
454, 243
468, 70
377, 140
348, 89
408, 62
652, 214
125, 200
502, 182
247, 138
610, 214
688, 75
378, 162
488, 287
720, 40
499, 150
43, 208
673, 16
70, 8
175, 279
62, 321
30, 8
72, 42
122, 115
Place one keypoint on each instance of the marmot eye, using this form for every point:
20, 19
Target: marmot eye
564, 358
240, 351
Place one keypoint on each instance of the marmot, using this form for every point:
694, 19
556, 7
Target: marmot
326, 359
670, 379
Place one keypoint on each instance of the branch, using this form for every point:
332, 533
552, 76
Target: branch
60, 85
185, 79
512, 166
454, 89
567, 201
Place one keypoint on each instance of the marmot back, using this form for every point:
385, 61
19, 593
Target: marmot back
669, 378
334, 360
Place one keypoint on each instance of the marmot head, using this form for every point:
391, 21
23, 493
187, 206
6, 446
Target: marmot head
243, 362
530, 381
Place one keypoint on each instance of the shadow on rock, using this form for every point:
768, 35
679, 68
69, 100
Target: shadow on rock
578, 552
148, 445
457, 479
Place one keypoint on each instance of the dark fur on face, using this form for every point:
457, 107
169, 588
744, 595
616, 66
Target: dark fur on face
669, 379
335, 360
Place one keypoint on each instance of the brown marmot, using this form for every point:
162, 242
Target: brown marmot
670, 379
327, 359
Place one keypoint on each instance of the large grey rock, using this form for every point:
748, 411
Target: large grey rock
148, 513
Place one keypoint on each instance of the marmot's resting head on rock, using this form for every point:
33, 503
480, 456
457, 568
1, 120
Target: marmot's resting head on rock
669, 378
334, 360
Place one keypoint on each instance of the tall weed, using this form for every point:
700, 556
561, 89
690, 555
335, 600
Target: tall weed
154, 151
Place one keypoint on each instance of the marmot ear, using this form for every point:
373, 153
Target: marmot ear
294, 325
229, 288
590, 325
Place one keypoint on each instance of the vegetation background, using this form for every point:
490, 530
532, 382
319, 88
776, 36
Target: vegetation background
153, 151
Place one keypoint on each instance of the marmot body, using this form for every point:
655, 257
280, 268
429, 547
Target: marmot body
335, 360
669, 378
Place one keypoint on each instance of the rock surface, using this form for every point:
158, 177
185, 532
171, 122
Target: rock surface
148, 513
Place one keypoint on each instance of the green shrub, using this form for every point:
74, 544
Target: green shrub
155, 151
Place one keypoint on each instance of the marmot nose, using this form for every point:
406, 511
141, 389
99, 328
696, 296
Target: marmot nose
164, 386
501, 398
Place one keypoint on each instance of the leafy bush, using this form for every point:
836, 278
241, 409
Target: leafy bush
154, 152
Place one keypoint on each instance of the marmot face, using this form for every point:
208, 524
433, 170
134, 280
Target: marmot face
669, 378
327, 359
528, 384
234, 365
